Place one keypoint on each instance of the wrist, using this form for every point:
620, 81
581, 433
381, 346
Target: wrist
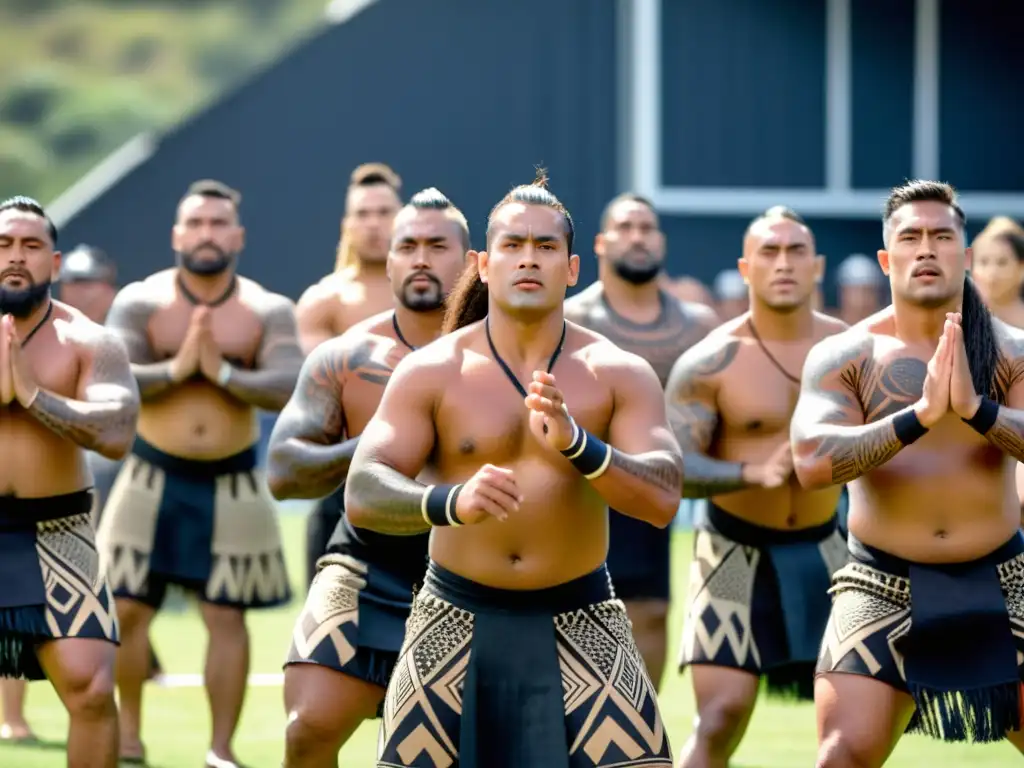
438, 505
28, 399
908, 426
920, 411
751, 474
590, 455
984, 416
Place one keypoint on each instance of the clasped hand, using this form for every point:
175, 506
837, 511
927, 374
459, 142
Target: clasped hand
199, 352
948, 385
16, 379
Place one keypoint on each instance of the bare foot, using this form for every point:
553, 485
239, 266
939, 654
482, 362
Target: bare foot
16, 731
213, 760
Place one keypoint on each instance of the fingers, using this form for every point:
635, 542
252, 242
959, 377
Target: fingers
543, 377
545, 390
544, 405
503, 480
496, 502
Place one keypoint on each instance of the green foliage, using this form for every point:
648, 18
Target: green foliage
78, 78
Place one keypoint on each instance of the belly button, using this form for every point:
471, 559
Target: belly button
200, 430
940, 534
514, 559
791, 521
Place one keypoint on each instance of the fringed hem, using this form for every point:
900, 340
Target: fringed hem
979, 716
20, 630
792, 681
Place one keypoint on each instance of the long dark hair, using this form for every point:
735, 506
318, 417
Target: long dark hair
979, 335
467, 303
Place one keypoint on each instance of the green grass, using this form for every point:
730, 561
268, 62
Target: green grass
177, 723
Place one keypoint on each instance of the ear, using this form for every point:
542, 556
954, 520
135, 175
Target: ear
599, 245
58, 257
883, 261
481, 263
819, 268
574, 269
241, 238
968, 258
743, 265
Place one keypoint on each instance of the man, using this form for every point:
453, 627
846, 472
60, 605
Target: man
630, 308
346, 640
65, 388
731, 294
765, 551
516, 652
208, 348
860, 285
919, 409
688, 289
359, 288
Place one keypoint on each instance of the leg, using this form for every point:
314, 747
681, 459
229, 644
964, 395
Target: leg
650, 631
82, 673
860, 720
725, 702
320, 526
226, 673
132, 671
324, 709
12, 695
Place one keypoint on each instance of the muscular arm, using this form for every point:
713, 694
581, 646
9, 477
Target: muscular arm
843, 423
278, 360
691, 395
103, 414
380, 494
1007, 433
645, 476
128, 318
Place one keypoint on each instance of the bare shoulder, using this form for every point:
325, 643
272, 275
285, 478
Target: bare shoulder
698, 314
580, 306
712, 356
608, 361
139, 299
840, 354
826, 325
262, 301
88, 337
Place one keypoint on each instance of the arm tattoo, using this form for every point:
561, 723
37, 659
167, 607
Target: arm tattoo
656, 467
694, 422
279, 358
128, 318
1008, 432
307, 458
394, 498
105, 421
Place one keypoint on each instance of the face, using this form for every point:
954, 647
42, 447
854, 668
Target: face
527, 266
427, 256
996, 270
28, 262
926, 258
369, 215
207, 236
91, 297
780, 264
632, 243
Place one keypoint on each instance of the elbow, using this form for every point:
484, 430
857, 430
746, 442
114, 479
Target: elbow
277, 485
663, 510
812, 474
115, 450
356, 510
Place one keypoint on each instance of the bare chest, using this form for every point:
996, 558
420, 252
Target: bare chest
237, 331
54, 364
756, 396
365, 373
483, 419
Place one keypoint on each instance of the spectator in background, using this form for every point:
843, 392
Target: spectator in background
860, 288
688, 289
731, 295
997, 268
88, 281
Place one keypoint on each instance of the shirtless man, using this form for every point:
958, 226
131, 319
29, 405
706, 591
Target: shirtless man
758, 600
208, 348
65, 388
349, 633
919, 408
358, 288
629, 307
517, 605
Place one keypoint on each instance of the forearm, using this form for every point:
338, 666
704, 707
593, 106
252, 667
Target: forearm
379, 498
646, 486
299, 469
153, 379
268, 388
711, 477
108, 428
1006, 432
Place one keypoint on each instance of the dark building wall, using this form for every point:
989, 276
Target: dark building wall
465, 95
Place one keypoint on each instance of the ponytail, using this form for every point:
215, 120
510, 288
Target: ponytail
980, 341
467, 303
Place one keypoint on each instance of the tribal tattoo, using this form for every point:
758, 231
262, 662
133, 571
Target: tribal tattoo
129, 317
658, 468
1007, 433
691, 395
104, 422
278, 360
395, 499
308, 457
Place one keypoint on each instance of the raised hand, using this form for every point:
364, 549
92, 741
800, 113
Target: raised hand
210, 358
6, 379
963, 399
549, 417
186, 362
935, 397
775, 471
23, 381
491, 492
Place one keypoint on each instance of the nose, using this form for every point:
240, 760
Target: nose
527, 257
420, 259
925, 248
784, 261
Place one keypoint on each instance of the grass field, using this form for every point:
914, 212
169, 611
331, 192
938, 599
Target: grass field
177, 722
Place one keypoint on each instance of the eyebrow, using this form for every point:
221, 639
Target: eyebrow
516, 238
918, 230
428, 240
29, 239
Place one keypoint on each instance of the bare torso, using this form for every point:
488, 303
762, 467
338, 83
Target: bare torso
340, 301
561, 529
364, 368
34, 460
755, 402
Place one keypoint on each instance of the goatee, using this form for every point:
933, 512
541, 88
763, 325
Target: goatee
23, 302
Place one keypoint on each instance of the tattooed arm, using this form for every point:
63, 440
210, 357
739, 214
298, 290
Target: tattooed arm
128, 318
278, 360
645, 476
103, 415
1007, 433
307, 457
692, 398
843, 427
380, 492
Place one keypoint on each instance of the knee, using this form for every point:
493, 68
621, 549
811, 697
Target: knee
309, 731
132, 616
720, 720
836, 751
92, 697
223, 622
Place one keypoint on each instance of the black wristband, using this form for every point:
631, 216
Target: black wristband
588, 454
985, 417
908, 427
438, 505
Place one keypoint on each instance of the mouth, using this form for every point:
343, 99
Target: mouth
528, 284
927, 272
784, 282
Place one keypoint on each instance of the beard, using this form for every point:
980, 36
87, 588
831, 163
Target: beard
417, 299
21, 302
638, 273
206, 266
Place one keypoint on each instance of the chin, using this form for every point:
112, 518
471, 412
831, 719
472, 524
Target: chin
785, 306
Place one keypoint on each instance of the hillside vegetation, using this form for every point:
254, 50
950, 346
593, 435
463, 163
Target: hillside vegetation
78, 78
